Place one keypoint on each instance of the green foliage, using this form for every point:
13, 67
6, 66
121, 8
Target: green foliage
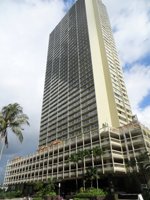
92, 173
50, 186
38, 185
13, 118
37, 198
142, 161
81, 154
39, 194
91, 192
74, 158
81, 198
146, 195
44, 189
10, 194
52, 194
97, 151
2, 195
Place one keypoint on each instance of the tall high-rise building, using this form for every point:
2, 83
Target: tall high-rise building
85, 104
84, 86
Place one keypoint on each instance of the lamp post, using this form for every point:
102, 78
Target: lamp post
59, 185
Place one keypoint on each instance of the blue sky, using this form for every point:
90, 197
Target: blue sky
25, 27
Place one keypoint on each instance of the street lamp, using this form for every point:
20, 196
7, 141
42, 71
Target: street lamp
59, 185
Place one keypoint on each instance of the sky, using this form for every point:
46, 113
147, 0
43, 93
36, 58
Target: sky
24, 32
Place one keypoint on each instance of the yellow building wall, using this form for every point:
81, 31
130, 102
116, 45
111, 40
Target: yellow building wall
106, 107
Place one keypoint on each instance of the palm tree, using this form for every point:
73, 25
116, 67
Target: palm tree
131, 164
79, 156
82, 155
75, 159
97, 152
12, 118
142, 163
92, 174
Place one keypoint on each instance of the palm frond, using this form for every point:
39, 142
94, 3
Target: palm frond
74, 158
3, 124
10, 111
19, 120
97, 151
18, 132
12, 117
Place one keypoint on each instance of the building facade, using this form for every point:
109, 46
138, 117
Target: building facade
119, 145
84, 86
84, 97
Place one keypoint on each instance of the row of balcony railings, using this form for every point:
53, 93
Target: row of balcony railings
68, 173
60, 144
55, 159
105, 167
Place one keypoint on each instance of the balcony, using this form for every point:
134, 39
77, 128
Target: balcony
119, 168
117, 154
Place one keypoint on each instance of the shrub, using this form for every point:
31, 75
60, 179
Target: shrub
52, 194
2, 195
44, 189
37, 198
10, 194
91, 192
81, 198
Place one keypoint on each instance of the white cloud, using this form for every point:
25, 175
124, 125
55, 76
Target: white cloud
144, 115
24, 33
137, 81
131, 23
25, 28
131, 20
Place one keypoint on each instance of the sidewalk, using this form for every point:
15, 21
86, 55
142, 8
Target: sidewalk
24, 198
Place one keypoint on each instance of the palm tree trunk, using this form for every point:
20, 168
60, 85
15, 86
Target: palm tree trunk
76, 184
97, 183
96, 175
4, 139
2, 149
76, 177
91, 183
83, 175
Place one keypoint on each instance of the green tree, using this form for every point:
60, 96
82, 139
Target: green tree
75, 159
131, 165
82, 154
79, 157
38, 186
44, 189
97, 153
92, 174
49, 187
142, 164
12, 118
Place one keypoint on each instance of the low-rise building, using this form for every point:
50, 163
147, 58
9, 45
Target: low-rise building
118, 145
